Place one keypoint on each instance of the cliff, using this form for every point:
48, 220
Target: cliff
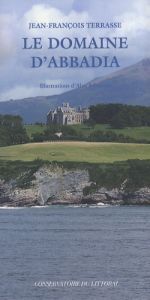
53, 184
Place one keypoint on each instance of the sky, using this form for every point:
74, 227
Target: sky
18, 80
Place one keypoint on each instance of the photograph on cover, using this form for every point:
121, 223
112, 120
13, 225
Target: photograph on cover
74, 149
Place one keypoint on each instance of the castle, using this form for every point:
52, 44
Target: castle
66, 115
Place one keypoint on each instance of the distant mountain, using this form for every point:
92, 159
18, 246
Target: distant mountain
32, 109
128, 86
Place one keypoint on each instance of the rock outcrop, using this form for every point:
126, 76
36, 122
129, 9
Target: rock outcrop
56, 185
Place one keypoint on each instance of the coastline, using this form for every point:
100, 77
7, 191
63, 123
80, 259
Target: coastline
56, 184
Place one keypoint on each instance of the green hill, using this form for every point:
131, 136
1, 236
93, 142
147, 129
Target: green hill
76, 152
127, 86
138, 133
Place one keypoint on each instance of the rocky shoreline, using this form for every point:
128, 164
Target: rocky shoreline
54, 185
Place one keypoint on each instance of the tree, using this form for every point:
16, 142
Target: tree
12, 131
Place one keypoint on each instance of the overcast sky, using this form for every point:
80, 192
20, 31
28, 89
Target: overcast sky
18, 80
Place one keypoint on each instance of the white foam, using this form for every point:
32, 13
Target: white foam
11, 207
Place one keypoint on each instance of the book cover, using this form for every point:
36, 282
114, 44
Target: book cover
74, 149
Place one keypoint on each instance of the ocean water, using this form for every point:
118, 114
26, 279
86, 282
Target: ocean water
77, 253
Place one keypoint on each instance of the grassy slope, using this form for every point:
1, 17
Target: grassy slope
31, 129
76, 152
134, 132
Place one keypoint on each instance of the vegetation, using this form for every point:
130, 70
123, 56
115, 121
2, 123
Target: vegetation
88, 132
130, 175
119, 115
90, 146
12, 131
50, 134
76, 152
109, 136
34, 129
19, 172
118, 118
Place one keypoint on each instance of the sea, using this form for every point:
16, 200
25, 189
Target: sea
75, 253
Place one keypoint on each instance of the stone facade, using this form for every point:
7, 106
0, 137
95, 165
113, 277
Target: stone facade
66, 115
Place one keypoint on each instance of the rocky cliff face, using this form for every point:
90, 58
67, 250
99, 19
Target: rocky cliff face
55, 185
11, 195
52, 185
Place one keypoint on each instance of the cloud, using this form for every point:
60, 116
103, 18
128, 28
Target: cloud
47, 14
7, 38
137, 20
26, 91
136, 25
18, 92
18, 80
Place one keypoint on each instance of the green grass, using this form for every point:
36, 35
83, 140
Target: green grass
31, 129
76, 152
133, 132
138, 133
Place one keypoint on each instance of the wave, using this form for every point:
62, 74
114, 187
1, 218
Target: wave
90, 205
102, 205
23, 207
11, 207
